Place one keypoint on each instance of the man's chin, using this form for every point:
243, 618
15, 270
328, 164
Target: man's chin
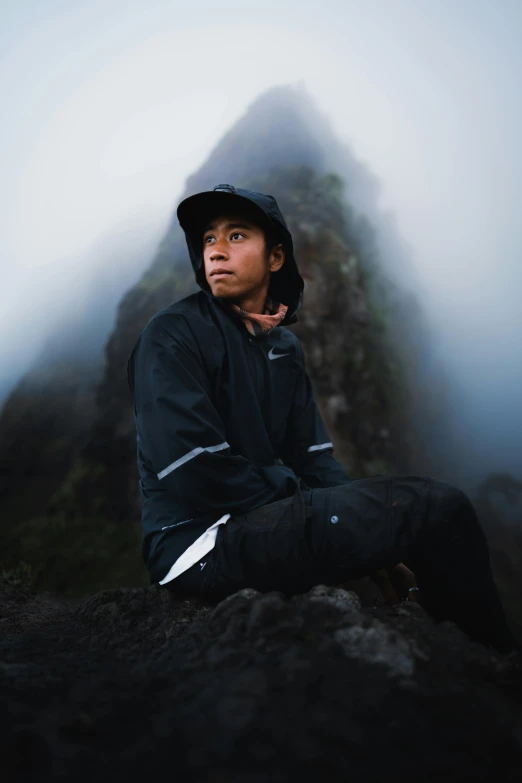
222, 293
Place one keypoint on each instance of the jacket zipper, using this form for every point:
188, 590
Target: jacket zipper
256, 373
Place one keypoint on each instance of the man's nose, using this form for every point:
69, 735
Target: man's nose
219, 249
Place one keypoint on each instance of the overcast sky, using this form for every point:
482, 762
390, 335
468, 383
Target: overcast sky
108, 106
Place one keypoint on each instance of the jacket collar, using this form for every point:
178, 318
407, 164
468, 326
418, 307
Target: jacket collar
258, 324
272, 307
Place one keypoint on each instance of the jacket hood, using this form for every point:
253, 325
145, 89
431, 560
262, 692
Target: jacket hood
286, 285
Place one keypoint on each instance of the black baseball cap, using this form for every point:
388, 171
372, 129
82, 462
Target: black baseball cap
194, 212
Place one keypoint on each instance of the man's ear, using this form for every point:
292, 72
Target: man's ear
277, 258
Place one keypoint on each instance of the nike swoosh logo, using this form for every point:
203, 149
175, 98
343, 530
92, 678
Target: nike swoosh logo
272, 355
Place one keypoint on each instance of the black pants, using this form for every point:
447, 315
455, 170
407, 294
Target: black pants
332, 535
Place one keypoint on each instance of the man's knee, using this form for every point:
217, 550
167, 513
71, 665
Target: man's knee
447, 499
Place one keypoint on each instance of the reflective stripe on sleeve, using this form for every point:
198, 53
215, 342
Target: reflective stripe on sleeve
319, 446
190, 455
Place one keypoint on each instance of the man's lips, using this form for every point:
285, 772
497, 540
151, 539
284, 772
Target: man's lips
220, 273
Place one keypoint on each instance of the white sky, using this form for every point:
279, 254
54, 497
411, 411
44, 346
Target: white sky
109, 106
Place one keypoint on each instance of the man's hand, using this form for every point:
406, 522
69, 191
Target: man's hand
408, 579
395, 584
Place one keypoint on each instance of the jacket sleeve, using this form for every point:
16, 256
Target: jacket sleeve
307, 447
181, 435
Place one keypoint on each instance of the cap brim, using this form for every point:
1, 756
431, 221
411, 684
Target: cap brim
196, 211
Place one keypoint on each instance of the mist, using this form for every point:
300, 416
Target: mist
110, 107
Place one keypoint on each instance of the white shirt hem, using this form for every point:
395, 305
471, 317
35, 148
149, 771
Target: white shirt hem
196, 551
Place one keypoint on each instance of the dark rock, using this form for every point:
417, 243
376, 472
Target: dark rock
137, 683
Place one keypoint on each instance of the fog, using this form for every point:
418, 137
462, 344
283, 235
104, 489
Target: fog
109, 107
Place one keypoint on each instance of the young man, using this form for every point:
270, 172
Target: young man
237, 473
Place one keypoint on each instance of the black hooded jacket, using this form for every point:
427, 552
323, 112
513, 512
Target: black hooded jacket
225, 422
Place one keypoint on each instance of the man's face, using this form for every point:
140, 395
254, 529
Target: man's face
235, 244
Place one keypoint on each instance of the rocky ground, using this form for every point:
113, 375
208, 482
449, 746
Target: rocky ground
136, 684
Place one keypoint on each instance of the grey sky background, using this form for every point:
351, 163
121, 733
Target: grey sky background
109, 106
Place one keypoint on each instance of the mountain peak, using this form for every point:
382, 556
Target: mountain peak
282, 126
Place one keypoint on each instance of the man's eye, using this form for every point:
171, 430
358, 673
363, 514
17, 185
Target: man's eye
237, 234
